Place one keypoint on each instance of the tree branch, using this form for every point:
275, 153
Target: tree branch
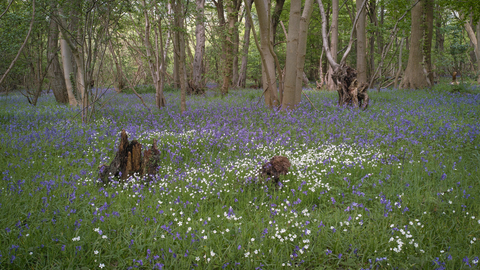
23, 45
9, 4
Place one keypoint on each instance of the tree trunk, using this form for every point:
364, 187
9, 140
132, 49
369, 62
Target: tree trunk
242, 77
119, 81
275, 18
331, 85
427, 40
268, 61
153, 58
301, 51
236, 41
197, 80
228, 46
361, 45
478, 52
350, 91
180, 51
372, 13
415, 77
57, 80
68, 71
439, 38
400, 50
288, 102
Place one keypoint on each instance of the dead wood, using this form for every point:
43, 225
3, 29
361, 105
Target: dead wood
193, 89
151, 159
278, 165
350, 92
129, 161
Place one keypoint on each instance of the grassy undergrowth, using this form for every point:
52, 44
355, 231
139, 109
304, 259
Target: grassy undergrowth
395, 186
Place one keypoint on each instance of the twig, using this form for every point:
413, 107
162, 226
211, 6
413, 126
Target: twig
23, 45
311, 103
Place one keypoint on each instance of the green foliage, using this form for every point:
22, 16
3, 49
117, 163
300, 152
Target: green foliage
146, 89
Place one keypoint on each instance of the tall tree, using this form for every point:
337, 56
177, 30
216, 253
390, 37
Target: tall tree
361, 44
197, 80
428, 37
179, 46
266, 52
415, 75
55, 73
242, 77
331, 85
296, 47
154, 53
475, 40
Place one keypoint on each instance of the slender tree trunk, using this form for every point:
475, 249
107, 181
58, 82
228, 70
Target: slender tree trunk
439, 38
331, 85
242, 77
427, 40
478, 52
400, 50
57, 80
275, 18
236, 42
68, 71
228, 45
288, 102
415, 77
301, 51
199, 46
361, 45
119, 81
373, 18
180, 51
268, 61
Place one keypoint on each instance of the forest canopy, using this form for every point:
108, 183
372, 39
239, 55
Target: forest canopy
69, 47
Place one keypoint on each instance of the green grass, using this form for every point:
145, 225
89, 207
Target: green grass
395, 186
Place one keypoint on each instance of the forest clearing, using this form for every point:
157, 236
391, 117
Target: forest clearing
239, 134
392, 186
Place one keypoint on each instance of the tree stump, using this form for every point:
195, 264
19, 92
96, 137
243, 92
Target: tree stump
350, 92
151, 159
278, 165
128, 160
193, 89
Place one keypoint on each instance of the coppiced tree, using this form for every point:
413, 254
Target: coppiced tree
296, 48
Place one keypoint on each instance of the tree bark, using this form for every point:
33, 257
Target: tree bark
119, 81
288, 102
275, 18
475, 40
242, 77
57, 81
400, 49
439, 38
478, 52
268, 61
331, 85
301, 51
361, 45
197, 80
68, 71
180, 51
228, 46
415, 77
428, 37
